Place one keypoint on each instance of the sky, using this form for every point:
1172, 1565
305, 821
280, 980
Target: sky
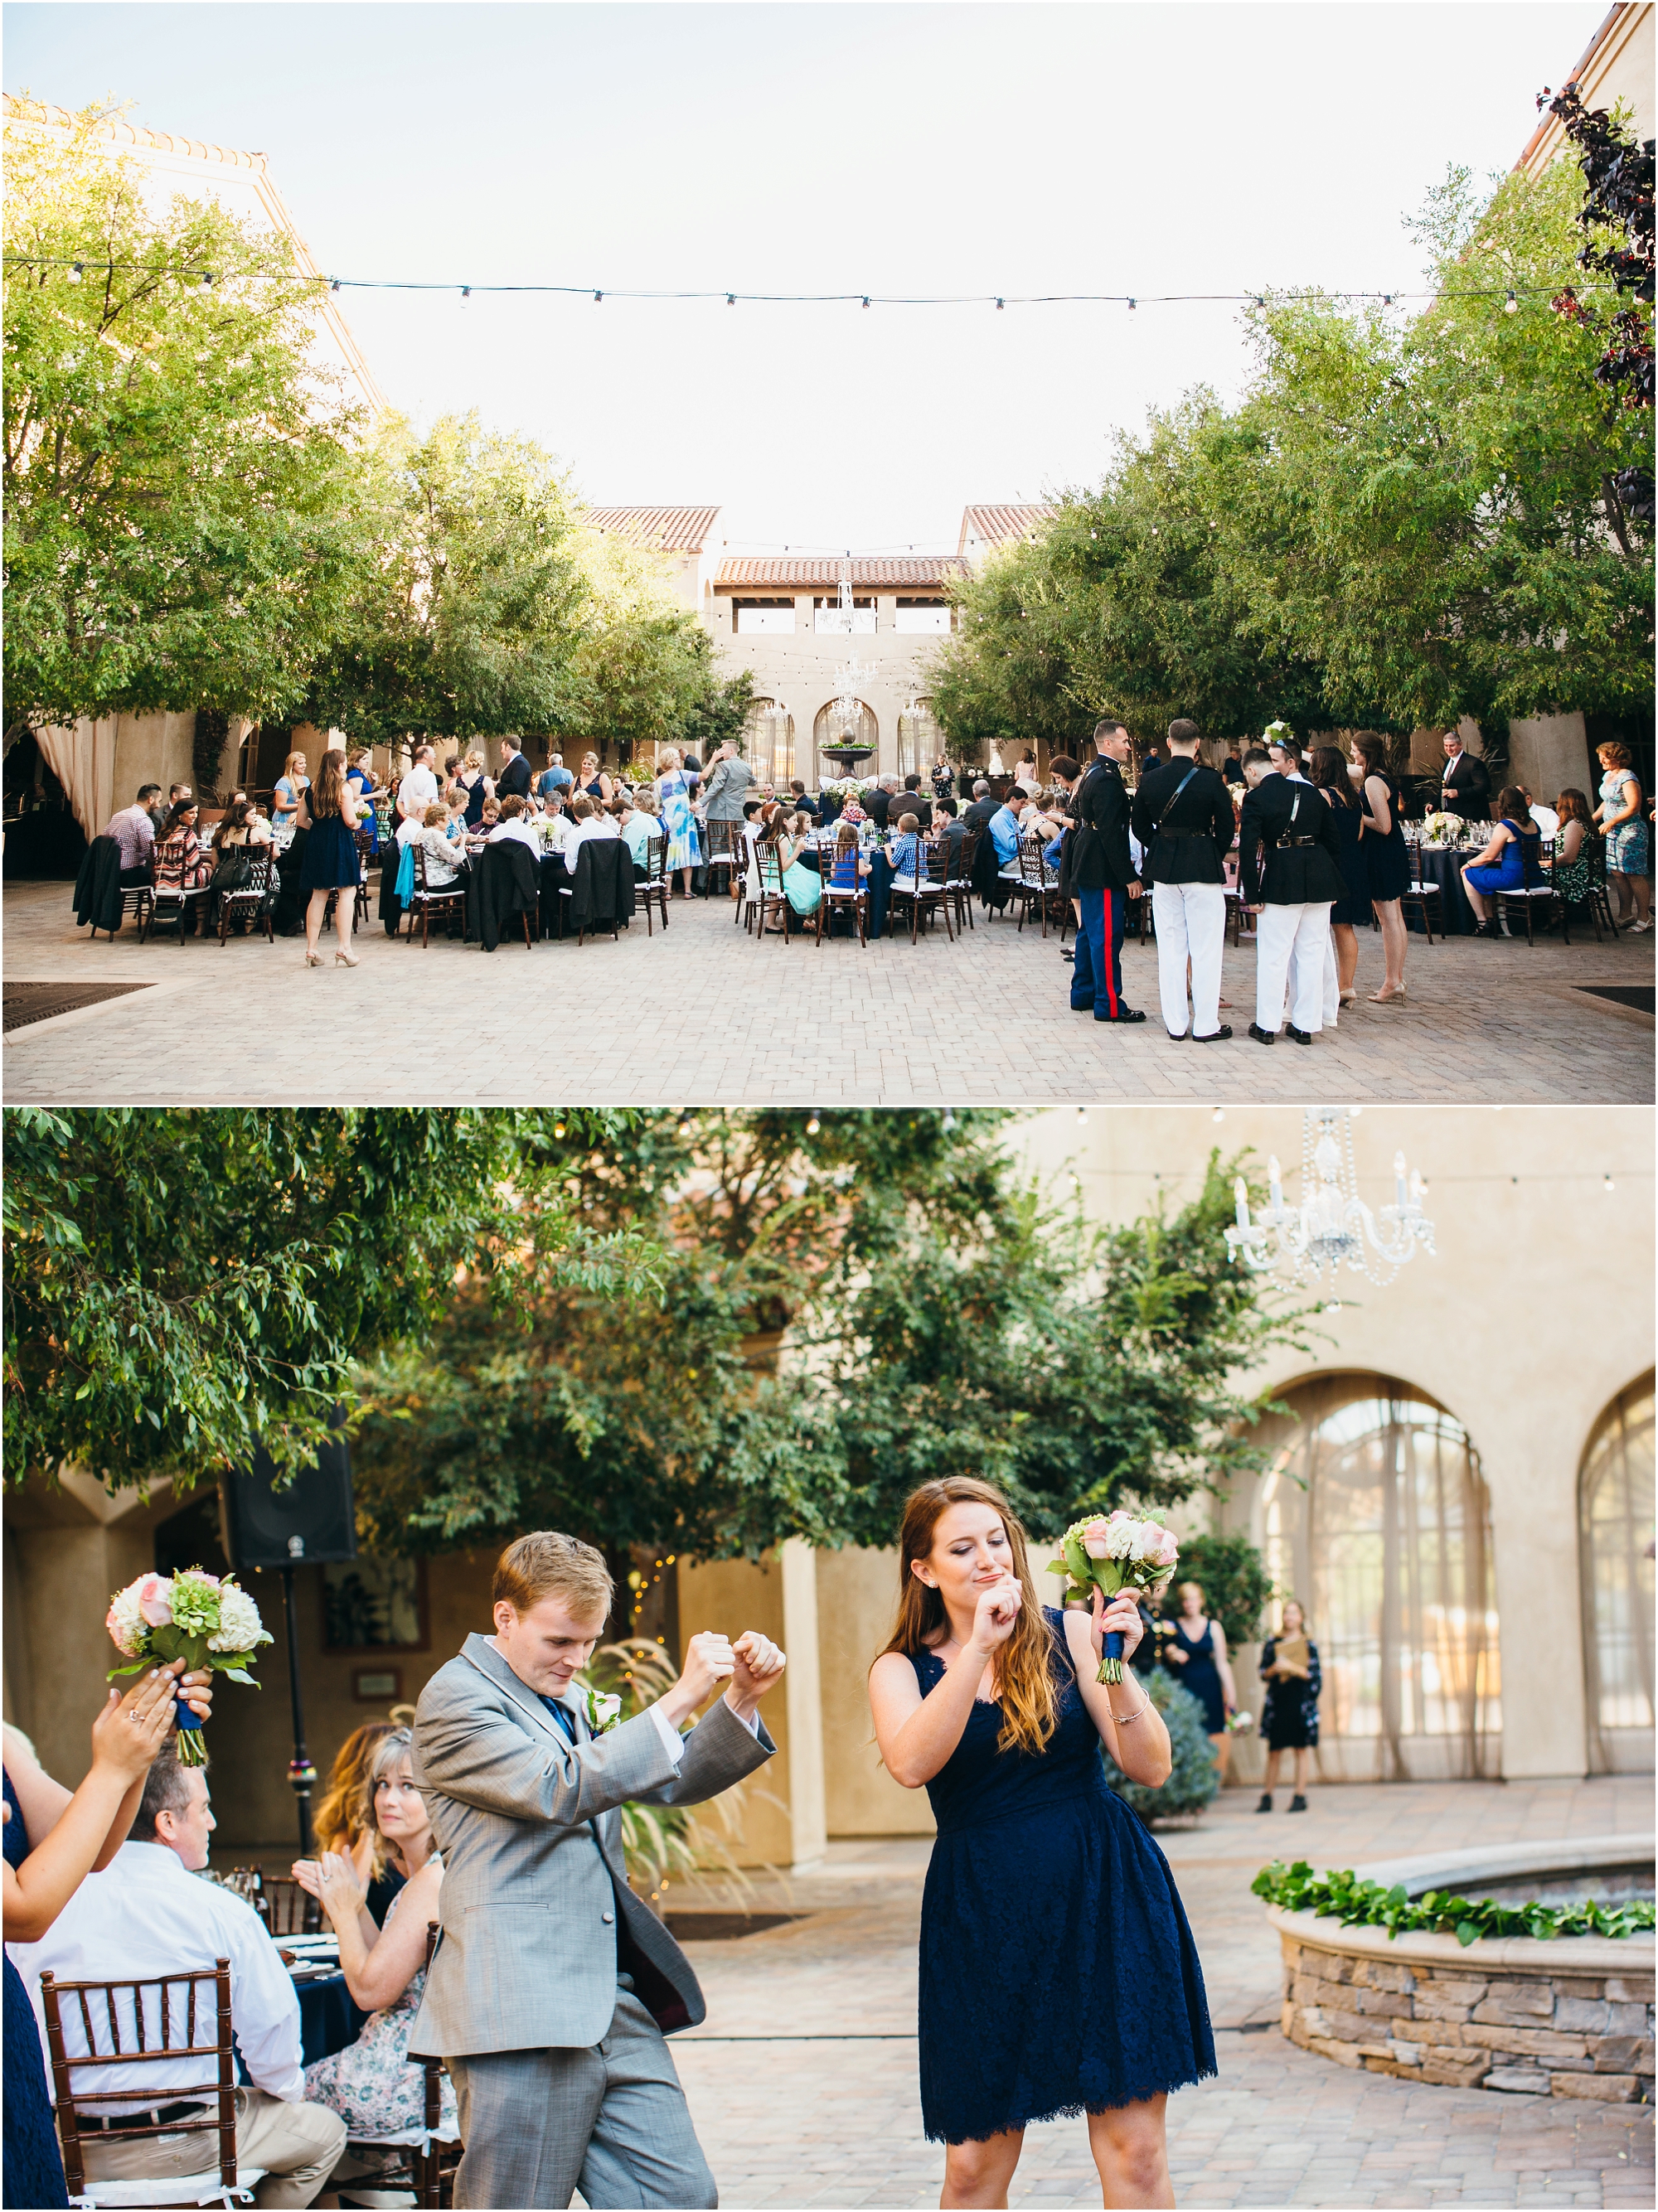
1046, 146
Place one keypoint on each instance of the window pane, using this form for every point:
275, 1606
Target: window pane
1616, 1510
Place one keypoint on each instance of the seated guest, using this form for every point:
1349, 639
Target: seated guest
640, 825
802, 883
904, 853
799, 800
1547, 821
344, 1819
1004, 831
134, 830
589, 827
444, 860
181, 863
241, 823
945, 825
1568, 864
512, 822
149, 1915
372, 2084
1510, 861
610, 816
984, 804
488, 819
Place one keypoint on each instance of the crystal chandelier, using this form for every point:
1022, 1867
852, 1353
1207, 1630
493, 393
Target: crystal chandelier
1332, 1227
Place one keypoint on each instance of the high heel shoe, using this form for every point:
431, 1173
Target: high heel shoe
1350, 998
314, 960
1388, 997
346, 960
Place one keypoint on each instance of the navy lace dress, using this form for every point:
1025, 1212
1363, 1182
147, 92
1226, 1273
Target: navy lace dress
1058, 1972
33, 2169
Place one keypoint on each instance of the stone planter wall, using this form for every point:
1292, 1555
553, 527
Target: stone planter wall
1569, 2018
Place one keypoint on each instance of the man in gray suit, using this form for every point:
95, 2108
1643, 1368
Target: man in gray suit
553, 1985
725, 787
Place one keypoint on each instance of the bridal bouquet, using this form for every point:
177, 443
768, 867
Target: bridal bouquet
1120, 1551
193, 1616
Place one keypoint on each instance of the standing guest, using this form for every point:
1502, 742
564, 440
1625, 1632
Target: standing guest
285, 801
1510, 861
1465, 786
1182, 816
729, 783
593, 779
474, 788
1568, 864
372, 2084
1290, 873
53, 1841
1089, 1997
555, 777
134, 831
553, 1983
1102, 878
1283, 750
673, 797
149, 1917
1387, 861
343, 1819
1232, 766
1624, 829
1025, 771
1331, 779
332, 861
943, 779
1290, 1668
360, 774
513, 780
1198, 1649
418, 789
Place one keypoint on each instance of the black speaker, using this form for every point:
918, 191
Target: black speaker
313, 1518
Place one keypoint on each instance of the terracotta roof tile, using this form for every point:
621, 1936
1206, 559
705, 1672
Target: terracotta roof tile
920, 571
662, 529
997, 525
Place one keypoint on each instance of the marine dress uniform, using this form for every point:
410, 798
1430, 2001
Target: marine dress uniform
1182, 815
1290, 864
1102, 870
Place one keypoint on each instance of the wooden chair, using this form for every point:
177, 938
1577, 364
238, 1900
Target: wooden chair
170, 899
724, 851
653, 890
282, 1904
1599, 900
1422, 897
164, 2019
426, 900
1025, 878
853, 899
252, 896
436, 2161
1532, 898
773, 899
928, 891
961, 882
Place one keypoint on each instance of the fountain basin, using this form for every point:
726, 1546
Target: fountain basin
1570, 2017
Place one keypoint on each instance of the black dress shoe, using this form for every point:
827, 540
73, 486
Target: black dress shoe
1214, 1035
1122, 1014
1302, 1036
1298, 1803
1177, 1036
1261, 1036
1068, 956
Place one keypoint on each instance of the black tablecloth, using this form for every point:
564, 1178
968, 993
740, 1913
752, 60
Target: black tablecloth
328, 2020
1443, 865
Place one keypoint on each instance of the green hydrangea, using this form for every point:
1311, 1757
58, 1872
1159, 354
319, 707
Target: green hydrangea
196, 1601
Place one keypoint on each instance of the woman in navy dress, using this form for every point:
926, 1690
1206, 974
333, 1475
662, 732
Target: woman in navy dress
1195, 1653
1387, 859
1509, 863
1058, 1974
1331, 779
329, 812
71, 1837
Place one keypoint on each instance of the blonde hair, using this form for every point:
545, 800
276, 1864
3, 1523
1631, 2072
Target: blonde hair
1024, 1678
545, 1564
344, 1811
289, 765
435, 815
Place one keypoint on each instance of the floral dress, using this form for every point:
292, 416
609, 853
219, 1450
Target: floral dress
372, 2084
678, 824
1626, 845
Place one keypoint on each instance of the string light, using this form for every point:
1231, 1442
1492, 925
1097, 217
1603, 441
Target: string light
1511, 305
75, 269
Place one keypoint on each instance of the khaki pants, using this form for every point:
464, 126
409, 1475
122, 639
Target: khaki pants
297, 2144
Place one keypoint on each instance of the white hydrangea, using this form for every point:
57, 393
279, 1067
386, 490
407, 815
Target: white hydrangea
125, 1621
240, 1627
1121, 1537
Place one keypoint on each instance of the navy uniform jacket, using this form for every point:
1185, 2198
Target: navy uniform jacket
1286, 874
1186, 839
1098, 846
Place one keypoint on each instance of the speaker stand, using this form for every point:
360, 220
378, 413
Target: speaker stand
301, 1772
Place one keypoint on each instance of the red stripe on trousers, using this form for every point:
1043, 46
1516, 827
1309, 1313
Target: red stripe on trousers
1108, 939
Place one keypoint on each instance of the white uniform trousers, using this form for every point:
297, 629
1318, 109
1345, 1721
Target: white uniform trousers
1330, 983
1190, 924
1281, 931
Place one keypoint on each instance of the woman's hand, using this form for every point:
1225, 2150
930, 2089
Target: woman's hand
130, 1731
332, 1880
1120, 1617
996, 1615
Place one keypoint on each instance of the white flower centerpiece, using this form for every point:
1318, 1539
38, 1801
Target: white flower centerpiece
1439, 828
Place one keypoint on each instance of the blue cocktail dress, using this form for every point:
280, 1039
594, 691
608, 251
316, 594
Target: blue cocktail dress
1058, 1974
34, 2168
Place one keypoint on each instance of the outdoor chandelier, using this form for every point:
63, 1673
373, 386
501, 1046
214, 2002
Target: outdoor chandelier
1332, 1227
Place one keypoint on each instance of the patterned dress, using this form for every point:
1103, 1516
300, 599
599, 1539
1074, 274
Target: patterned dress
684, 845
372, 2084
1626, 845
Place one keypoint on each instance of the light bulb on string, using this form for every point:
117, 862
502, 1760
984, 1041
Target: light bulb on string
1219, 1114
1082, 1117
597, 297
813, 1126
466, 294
77, 267
1606, 1182
1511, 305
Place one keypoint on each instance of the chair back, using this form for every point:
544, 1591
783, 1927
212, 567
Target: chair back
283, 1906
969, 854
655, 859
934, 872
767, 858
171, 855
136, 2024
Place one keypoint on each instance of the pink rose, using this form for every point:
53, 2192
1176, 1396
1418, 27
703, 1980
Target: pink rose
1168, 1552
1119, 1513
153, 1591
1094, 1539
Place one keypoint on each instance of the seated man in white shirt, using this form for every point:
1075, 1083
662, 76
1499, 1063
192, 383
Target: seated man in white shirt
590, 823
516, 824
146, 1916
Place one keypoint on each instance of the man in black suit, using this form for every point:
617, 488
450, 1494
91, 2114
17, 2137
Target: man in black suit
878, 804
1232, 766
1102, 878
1289, 873
514, 781
1182, 816
984, 804
1466, 783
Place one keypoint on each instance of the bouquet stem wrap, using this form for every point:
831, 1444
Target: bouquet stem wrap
1113, 1553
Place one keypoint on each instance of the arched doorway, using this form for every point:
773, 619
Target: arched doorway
769, 742
920, 740
1615, 1548
833, 725
1374, 1512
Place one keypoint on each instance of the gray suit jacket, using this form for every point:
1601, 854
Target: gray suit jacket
537, 1916
726, 789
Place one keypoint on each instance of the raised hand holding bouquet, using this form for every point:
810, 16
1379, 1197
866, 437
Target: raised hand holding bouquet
1120, 1551
193, 1616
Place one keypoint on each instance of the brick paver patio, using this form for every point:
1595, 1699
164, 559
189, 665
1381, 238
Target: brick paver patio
802, 2079
709, 1016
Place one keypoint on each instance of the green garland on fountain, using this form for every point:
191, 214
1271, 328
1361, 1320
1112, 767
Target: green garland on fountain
1441, 1912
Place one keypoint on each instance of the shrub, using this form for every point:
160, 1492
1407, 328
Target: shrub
1194, 1778
1234, 1581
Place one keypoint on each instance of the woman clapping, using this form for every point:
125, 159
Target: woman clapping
1057, 1971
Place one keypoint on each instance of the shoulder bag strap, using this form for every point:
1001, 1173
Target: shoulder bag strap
1179, 788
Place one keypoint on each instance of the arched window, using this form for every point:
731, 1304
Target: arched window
920, 740
1374, 1514
1615, 1545
832, 727
769, 742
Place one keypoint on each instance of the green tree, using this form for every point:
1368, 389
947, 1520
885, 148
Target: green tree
1234, 1579
180, 1285
1194, 1780
180, 528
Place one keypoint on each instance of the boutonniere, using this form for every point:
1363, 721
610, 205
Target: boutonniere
603, 1710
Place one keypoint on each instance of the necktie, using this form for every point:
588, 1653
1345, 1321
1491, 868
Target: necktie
562, 1715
